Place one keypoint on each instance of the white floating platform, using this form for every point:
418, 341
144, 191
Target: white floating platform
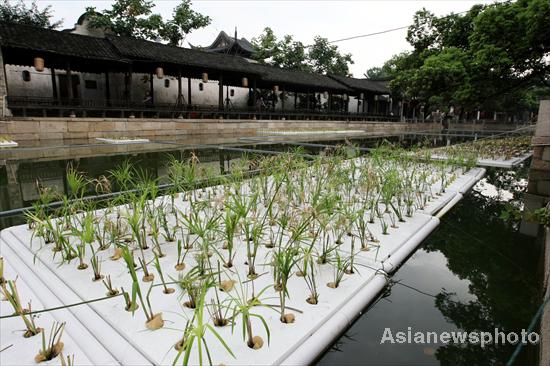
311, 132
122, 141
496, 163
103, 333
6, 144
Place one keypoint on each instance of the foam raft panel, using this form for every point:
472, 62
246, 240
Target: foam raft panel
496, 163
122, 141
104, 333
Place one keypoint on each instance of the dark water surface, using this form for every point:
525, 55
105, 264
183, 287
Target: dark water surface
475, 272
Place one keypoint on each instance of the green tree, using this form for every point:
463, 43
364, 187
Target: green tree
376, 73
325, 58
321, 57
489, 57
285, 53
19, 12
184, 21
135, 18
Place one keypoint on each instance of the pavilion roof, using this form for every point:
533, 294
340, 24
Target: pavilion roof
364, 85
92, 52
51, 41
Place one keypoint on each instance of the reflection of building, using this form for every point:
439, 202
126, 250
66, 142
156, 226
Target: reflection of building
52, 73
228, 45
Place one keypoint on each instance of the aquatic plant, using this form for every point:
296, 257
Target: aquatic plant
54, 346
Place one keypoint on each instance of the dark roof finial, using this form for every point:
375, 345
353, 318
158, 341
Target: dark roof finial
235, 33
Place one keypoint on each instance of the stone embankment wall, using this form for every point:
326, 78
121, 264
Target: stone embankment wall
23, 129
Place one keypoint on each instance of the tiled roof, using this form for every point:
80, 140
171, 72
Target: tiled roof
367, 85
300, 78
46, 40
132, 49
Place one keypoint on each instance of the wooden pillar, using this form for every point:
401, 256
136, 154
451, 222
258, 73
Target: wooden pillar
128, 86
283, 99
255, 93
358, 101
151, 89
295, 100
54, 84
107, 89
69, 82
220, 93
329, 102
180, 93
307, 100
189, 92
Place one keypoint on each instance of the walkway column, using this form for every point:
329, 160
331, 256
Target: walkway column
295, 100
128, 86
189, 91
283, 98
220, 93
151, 89
107, 89
254, 92
3, 88
54, 83
69, 82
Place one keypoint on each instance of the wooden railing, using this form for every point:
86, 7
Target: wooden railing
23, 106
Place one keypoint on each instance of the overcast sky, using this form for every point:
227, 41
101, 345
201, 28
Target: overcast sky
303, 19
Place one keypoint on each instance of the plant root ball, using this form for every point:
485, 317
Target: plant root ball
95, 279
288, 318
29, 333
156, 322
189, 304
54, 352
117, 255
300, 274
149, 278
221, 322
112, 293
179, 346
168, 290
312, 300
131, 307
332, 284
257, 342
180, 267
227, 286
82, 266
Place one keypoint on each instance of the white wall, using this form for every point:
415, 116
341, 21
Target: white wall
41, 86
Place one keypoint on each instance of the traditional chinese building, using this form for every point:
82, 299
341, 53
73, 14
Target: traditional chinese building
62, 73
229, 45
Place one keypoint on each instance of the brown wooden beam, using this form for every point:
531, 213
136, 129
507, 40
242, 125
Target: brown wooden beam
220, 93
54, 84
189, 91
107, 89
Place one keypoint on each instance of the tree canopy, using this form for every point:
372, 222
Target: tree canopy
19, 12
135, 18
492, 56
321, 57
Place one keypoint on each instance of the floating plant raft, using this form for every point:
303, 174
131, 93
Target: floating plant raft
500, 153
264, 271
123, 140
310, 132
8, 143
